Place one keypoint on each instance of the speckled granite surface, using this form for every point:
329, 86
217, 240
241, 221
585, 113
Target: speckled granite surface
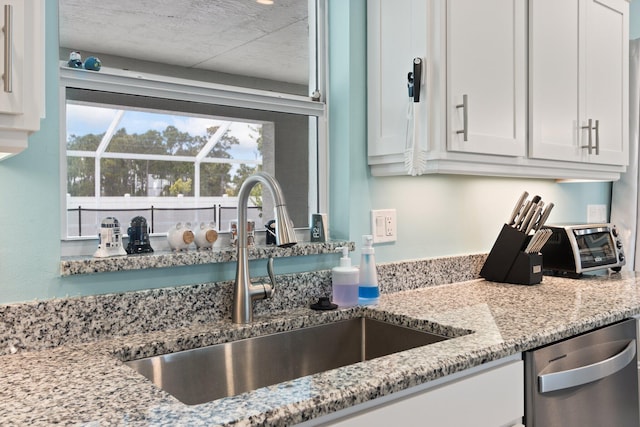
87, 383
87, 265
45, 324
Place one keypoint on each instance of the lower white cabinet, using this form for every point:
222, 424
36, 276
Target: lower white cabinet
491, 395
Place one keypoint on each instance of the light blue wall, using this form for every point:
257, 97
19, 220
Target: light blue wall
634, 20
438, 215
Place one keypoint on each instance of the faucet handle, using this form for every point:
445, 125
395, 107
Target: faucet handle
272, 276
264, 290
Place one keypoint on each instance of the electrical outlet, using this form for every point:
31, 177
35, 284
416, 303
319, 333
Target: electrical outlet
596, 213
383, 225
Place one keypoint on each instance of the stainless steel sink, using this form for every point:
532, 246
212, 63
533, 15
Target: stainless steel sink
209, 373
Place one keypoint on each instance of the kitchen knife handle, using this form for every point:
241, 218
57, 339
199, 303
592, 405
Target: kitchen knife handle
544, 216
523, 215
517, 208
589, 145
597, 129
465, 118
533, 219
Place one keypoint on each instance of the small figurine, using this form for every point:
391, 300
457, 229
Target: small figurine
110, 239
75, 60
138, 232
206, 236
180, 236
92, 64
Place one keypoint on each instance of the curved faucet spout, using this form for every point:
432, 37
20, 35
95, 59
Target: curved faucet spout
244, 293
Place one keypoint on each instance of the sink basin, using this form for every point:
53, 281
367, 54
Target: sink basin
221, 370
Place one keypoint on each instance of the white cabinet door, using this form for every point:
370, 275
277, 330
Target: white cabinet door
606, 79
22, 108
578, 59
492, 398
486, 65
397, 34
554, 60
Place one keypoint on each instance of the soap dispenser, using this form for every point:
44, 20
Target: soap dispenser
344, 281
368, 290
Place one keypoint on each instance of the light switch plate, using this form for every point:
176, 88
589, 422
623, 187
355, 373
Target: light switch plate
383, 225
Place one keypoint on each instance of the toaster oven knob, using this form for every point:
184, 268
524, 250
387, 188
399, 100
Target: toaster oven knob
621, 257
614, 231
618, 244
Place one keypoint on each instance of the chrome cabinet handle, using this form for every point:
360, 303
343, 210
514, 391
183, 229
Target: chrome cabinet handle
465, 122
589, 373
8, 48
589, 146
597, 129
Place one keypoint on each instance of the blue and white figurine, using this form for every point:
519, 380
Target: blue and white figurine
110, 239
75, 60
92, 64
138, 232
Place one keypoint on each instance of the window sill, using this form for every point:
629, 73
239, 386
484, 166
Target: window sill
70, 266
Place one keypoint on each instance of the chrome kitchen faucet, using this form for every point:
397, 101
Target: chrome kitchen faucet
244, 292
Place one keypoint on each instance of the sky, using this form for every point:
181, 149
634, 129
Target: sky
83, 119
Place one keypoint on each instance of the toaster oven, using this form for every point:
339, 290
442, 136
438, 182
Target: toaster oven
578, 248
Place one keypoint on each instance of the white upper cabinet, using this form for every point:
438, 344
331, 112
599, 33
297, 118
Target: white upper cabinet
579, 81
486, 76
22, 70
508, 89
606, 77
12, 56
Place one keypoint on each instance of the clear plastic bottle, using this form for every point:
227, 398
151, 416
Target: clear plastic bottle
344, 281
368, 290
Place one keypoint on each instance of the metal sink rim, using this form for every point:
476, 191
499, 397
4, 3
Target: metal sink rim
164, 369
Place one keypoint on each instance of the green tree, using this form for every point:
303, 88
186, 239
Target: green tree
80, 176
80, 170
121, 176
215, 177
181, 187
244, 171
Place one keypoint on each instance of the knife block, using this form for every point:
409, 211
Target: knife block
508, 263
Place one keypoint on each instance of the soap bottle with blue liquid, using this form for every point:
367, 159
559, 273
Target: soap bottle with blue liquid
368, 289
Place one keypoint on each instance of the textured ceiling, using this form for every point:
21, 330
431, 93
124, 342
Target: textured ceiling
231, 36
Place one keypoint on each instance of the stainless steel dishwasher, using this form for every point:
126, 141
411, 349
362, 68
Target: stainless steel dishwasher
588, 380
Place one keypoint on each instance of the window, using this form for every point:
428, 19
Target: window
177, 160
176, 149
122, 159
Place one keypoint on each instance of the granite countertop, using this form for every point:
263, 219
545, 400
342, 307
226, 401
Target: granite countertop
89, 384
70, 266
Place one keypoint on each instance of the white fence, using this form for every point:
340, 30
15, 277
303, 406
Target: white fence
84, 214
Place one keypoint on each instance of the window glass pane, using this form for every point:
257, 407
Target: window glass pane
81, 176
86, 125
242, 141
145, 178
174, 166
